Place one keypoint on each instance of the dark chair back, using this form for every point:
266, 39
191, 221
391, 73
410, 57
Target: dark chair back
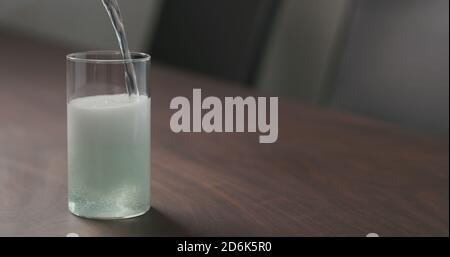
222, 38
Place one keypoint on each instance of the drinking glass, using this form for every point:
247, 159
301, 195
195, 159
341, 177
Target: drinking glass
108, 133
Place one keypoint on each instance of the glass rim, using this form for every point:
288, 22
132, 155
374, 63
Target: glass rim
99, 56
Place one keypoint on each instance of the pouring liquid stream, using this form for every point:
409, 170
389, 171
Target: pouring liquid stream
112, 8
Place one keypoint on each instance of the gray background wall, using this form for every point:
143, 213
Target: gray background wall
81, 23
396, 63
297, 62
382, 58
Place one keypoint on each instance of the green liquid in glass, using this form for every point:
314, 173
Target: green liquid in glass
109, 156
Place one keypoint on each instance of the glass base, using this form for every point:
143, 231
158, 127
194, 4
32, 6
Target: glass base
129, 216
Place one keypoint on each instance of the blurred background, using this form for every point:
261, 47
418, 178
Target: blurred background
380, 58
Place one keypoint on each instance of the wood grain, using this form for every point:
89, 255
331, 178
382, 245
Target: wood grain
330, 173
